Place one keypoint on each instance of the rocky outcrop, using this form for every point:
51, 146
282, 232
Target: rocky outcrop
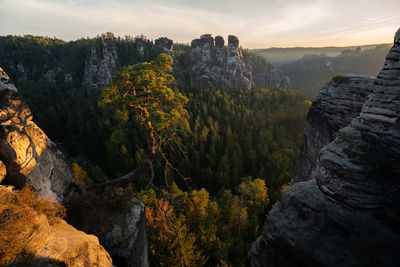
166, 45
141, 44
122, 228
26, 152
55, 243
349, 214
217, 66
126, 238
100, 67
28, 156
332, 109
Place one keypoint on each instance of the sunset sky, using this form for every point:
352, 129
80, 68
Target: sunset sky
257, 23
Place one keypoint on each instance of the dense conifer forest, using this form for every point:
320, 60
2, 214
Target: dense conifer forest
237, 149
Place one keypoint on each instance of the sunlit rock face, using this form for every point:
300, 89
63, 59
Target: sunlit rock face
3, 171
56, 244
333, 108
215, 65
27, 154
100, 67
349, 213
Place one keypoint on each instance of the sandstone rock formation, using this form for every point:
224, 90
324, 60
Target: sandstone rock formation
165, 44
122, 228
28, 156
349, 213
332, 109
217, 66
3, 171
99, 69
141, 43
56, 242
26, 152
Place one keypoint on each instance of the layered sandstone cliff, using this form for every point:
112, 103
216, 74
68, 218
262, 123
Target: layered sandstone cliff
332, 109
348, 214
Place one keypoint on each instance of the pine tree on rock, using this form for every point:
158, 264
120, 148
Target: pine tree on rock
142, 91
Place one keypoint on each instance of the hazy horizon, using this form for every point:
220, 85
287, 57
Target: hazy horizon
257, 23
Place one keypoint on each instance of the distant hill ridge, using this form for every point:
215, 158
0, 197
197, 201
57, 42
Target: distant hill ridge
283, 55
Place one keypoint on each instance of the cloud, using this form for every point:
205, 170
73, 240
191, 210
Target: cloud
257, 23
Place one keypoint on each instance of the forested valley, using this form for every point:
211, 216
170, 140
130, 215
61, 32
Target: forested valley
237, 149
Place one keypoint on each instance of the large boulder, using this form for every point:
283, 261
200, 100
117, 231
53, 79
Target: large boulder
349, 213
27, 153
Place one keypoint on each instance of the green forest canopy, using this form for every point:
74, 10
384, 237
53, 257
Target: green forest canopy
235, 141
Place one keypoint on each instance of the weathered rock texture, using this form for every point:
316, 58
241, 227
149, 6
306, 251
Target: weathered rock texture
27, 154
100, 67
58, 242
3, 171
117, 219
332, 109
141, 44
349, 215
166, 45
217, 66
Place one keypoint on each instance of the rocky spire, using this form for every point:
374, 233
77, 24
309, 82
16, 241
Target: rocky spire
165, 44
100, 69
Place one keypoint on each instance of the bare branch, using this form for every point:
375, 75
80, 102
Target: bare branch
127, 178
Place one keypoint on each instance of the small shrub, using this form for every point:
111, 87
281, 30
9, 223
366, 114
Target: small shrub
80, 175
19, 220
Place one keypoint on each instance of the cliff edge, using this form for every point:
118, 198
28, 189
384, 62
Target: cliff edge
348, 214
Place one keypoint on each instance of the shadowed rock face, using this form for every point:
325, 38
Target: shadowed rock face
361, 167
166, 45
119, 223
141, 44
26, 152
333, 108
100, 69
164, 42
217, 66
349, 214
